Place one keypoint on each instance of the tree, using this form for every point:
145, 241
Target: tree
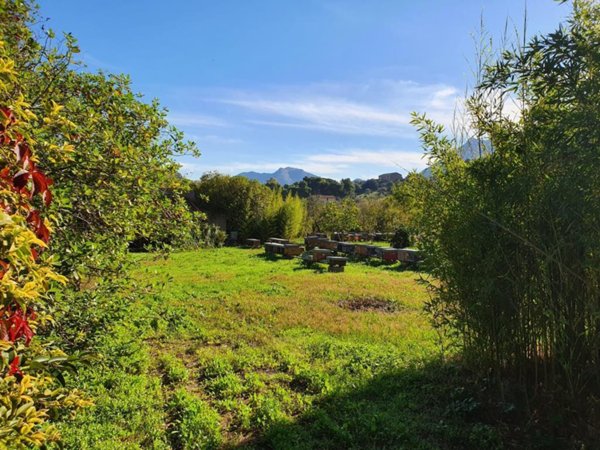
337, 216
250, 207
347, 187
273, 184
121, 182
379, 214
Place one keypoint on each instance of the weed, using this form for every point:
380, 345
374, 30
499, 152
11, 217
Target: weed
195, 424
174, 370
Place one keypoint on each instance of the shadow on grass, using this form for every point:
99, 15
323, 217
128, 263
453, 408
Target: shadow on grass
415, 408
268, 257
402, 267
314, 267
392, 267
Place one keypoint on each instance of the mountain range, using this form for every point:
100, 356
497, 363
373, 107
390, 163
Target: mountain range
283, 175
472, 149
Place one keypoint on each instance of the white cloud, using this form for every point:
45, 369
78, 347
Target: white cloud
194, 120
375, 108
402, 160
443, 99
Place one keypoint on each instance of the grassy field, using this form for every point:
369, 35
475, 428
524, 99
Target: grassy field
233, 350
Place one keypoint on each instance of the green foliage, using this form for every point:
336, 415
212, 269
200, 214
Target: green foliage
210, 235
513, 237
401, 238
379, 214
174, 369
128, 412
344, 188
238, 199
195, 423
291, 217
249, 207
408, 198
30, 370
260, 211
122, 170
336, 216
266, 411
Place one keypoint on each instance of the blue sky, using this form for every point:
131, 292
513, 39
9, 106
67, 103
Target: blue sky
327, 86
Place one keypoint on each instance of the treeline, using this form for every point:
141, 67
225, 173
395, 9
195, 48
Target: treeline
248, 207
255, 210
341, 189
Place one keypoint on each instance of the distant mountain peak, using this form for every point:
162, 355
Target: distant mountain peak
283, 175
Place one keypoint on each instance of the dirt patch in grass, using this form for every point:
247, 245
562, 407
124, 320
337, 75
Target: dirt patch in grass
370, 304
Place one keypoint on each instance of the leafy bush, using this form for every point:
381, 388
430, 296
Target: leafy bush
401, 238
379, 214
249, 207
225, 386
335, 216
309, 380
195, 424
215, 367
513, 237
211, 236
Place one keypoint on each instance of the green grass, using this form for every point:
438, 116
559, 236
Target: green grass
240, 351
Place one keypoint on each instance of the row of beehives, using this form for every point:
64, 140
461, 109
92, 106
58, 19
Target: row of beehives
387, 254
278, 246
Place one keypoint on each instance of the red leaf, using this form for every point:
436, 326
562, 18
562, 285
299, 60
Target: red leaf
14, 367
35, 221
19, 327
40, 185
3, 330
28, 333
43, 233
47, 197
21, 178
3, 268
15, 331
22, 151
33, 218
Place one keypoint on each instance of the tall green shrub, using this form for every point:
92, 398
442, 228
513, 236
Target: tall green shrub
251, 208
514, 237
292, 217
